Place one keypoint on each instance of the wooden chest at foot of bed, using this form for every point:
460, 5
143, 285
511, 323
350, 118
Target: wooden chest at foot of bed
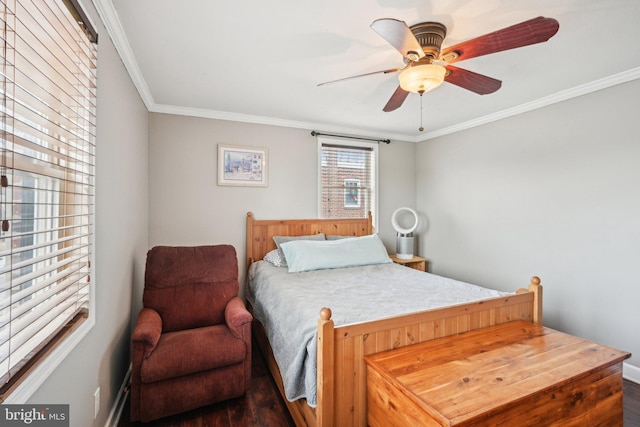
517, 373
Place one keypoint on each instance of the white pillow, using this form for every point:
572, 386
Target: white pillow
273, 258
305, 255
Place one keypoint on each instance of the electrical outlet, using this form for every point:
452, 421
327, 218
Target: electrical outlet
96, 403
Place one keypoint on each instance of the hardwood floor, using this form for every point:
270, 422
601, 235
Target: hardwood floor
263, 406
631, 404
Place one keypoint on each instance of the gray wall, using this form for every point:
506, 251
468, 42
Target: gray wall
188, 207
554, 192
121, 238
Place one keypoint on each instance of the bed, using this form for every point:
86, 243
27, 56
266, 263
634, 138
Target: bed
340, 383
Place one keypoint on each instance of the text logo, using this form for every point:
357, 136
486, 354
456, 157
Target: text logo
34, 415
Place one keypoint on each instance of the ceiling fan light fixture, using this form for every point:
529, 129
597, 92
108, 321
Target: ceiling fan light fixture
422, 78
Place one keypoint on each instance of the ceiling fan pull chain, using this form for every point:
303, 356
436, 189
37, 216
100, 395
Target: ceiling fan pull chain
421, 128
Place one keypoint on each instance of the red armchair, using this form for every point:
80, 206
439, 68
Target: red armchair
191, 345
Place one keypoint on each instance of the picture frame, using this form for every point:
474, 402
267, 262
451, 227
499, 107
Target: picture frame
243, 166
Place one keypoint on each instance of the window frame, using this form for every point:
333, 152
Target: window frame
58, 350
374, 147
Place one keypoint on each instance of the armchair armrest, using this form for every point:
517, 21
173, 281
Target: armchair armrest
147, 331
237, 316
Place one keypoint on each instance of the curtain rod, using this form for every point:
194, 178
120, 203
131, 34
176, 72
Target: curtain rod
314, 133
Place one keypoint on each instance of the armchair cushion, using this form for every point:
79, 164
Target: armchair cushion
178, 284
193, 350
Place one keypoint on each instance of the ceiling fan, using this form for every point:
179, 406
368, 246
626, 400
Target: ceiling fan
427, 65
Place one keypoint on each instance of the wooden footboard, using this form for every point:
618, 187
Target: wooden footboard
342, 388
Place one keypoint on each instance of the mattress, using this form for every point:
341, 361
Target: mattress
288, 306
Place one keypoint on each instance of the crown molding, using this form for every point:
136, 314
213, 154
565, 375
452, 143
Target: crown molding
114, 28
604, 83
271, 121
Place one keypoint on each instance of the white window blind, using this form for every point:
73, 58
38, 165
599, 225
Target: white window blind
47, 148
347, 179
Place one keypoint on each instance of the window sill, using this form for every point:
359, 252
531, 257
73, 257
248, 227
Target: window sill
41, 373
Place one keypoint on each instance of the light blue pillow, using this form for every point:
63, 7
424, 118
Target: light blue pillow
305, 255
283, 239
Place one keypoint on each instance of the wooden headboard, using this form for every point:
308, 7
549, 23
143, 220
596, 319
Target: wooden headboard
260, 232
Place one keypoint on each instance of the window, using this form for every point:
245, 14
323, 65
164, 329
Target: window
47, 146
351, 193
348, 175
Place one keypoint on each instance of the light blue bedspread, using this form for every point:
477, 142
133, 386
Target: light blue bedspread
288, 305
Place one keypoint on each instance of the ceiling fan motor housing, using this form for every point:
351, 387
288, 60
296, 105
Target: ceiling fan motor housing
430, 35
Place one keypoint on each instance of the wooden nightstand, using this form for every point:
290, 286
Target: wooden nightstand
416, 262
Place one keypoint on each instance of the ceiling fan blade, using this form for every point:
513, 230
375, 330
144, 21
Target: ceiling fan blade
398, 34
536, 30
390, 70
396, 100
478, 83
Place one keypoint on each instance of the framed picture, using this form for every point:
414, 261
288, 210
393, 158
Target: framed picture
244, 166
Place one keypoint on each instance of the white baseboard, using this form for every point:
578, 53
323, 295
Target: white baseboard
118, 403
631, 373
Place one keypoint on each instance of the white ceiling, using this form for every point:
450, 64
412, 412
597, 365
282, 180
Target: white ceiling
261, 61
